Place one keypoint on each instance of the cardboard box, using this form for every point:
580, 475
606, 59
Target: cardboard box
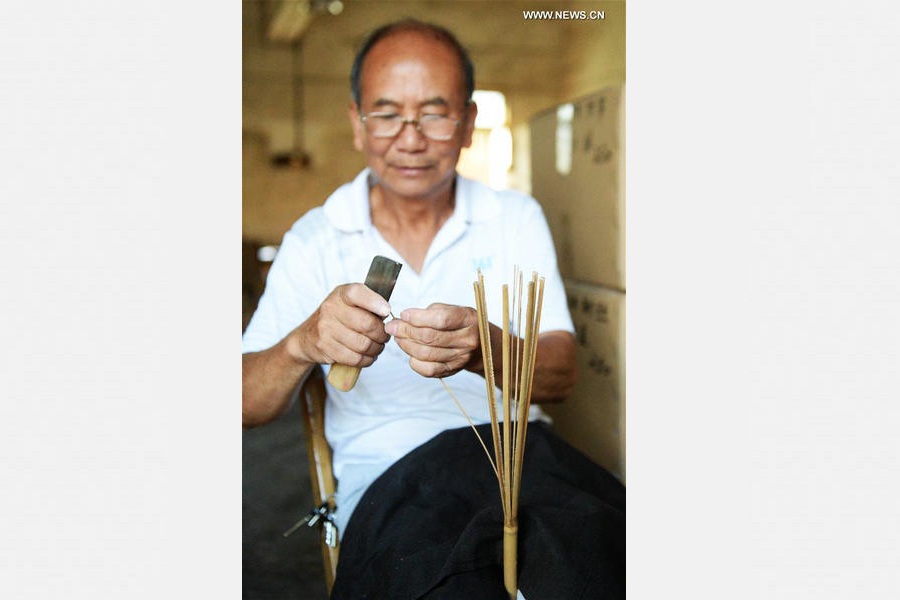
584, 206
593, 418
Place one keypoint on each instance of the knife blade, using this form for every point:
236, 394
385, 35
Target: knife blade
381, 279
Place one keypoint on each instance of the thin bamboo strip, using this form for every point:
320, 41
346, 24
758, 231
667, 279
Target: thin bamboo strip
524, 403
488, 365
478, 435
517, 282
507, 409
536, 328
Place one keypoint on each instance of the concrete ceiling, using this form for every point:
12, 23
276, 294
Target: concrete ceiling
510, 52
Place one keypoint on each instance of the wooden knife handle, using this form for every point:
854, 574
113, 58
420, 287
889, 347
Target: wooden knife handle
343, 377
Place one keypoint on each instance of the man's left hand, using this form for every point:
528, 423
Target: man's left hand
441, 340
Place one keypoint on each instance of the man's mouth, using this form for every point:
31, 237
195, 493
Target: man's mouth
411, 170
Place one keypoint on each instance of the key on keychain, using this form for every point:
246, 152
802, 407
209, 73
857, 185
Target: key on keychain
330, 532
311, 518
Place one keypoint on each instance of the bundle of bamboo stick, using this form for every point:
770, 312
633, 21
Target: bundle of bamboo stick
517, 374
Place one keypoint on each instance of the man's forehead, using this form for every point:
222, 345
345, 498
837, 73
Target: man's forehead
413, 50
403, 37
403, 46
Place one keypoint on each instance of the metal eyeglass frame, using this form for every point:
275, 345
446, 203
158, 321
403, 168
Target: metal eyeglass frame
401, 123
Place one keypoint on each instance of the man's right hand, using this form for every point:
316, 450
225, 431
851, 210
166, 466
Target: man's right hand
347, 329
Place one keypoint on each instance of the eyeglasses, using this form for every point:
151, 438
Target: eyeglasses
387, 125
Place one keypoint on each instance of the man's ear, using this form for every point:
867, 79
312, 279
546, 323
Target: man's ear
359, 130
471, 113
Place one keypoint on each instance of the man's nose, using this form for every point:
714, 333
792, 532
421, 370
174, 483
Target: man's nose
411, 136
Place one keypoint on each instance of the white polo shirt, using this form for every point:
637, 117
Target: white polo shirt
392, 409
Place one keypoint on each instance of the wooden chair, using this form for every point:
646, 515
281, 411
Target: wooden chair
312, 399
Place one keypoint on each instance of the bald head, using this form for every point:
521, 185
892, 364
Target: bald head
419, 29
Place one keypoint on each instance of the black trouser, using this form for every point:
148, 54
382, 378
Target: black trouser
431, 526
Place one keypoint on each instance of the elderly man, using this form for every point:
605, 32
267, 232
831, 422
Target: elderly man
412, 114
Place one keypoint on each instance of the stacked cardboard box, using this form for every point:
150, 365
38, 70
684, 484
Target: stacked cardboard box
583, 199
593, 417
584, 206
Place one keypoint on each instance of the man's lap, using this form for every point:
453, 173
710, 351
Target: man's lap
431, 526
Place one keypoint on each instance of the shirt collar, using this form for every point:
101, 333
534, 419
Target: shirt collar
347, 209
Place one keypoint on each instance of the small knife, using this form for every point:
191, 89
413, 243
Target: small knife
381, 279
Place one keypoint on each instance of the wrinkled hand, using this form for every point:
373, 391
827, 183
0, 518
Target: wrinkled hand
347, 328
440, 340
